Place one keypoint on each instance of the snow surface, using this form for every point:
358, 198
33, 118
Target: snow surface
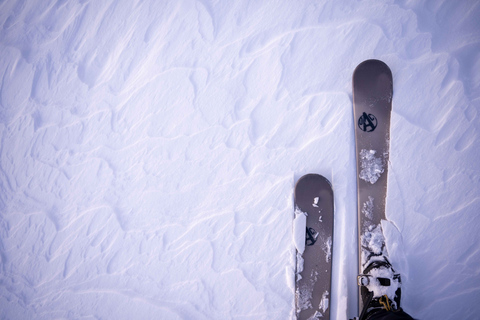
149, 151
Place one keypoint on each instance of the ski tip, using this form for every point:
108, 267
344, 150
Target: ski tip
372, 64
313, 177
312, 180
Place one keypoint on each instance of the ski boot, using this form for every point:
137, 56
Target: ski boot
380, 287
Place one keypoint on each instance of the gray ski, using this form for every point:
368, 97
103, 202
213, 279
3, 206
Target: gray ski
313, 233
372, 105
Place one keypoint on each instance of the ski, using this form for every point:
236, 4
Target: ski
313, 237
372, 105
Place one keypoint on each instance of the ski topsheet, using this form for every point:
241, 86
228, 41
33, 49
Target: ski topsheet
313, 236
372, 105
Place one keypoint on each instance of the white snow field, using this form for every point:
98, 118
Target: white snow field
149, 151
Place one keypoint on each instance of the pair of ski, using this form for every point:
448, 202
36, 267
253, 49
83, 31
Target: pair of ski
314, 204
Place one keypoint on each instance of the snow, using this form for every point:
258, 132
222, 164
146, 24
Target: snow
324, 302
367, 208
379, 290
299, 229
300, 266
304, 297
373, 241
149, 151
371, 166
327, 248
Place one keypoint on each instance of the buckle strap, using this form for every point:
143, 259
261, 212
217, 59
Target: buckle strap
385, 302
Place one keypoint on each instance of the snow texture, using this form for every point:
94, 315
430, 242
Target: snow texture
373, 241
299, 227
322, 306
367, 208
324, 302
316, 316
327, 248
300, 265
371, 166
304, 297
149, 151
379, 290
